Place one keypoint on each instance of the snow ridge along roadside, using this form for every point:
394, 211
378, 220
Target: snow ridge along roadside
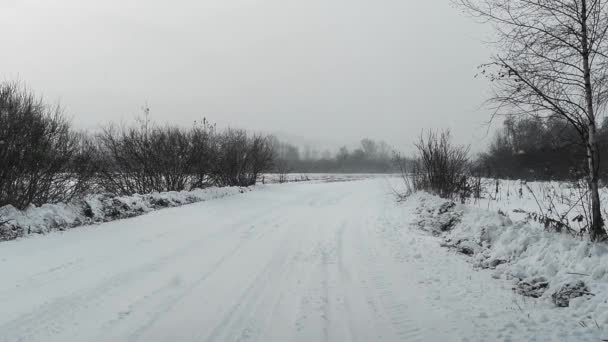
558, 269
98, 208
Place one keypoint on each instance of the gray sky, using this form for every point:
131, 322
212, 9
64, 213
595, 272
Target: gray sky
331, 71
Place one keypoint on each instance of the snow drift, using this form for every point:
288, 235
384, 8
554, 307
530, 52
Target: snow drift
559, 269
97, 208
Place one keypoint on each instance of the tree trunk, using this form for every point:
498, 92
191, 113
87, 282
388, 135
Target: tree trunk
596, 228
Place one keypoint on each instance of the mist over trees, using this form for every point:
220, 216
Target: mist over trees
369, 157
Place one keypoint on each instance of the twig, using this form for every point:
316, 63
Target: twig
516, 303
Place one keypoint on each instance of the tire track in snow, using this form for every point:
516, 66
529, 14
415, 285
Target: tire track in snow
237, 321
47, 318
242, 321
395, 309
436, 271
171, 301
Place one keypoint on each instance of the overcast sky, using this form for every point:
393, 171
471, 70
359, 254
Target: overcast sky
331, 71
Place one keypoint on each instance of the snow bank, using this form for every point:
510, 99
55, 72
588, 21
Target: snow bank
543, 265
16, 223
99, 208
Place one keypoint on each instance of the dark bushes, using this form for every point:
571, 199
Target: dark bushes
539, 149
44, 160
150, 158
241, 158
441, 167
41, 158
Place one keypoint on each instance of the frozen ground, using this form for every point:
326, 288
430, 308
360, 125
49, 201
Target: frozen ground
297, 262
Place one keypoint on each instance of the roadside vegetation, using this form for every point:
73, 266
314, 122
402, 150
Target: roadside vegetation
43, 159
549, 77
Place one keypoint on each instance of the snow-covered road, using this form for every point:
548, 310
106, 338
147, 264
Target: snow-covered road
305, 262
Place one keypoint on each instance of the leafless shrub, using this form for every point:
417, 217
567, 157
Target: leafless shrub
261, 156
202, 136
555, 210
134, 160
282, 169
42, 160
441, 167
241, 158
149, 158
404, 165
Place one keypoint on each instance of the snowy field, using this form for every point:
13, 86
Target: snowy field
518, 198
315, 261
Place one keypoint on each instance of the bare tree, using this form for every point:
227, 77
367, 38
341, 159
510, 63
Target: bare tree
42, 159
260, 155
241, 158
441, 167
551, 61
405, 166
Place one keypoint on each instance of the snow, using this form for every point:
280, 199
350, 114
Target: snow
517, 198
340, 261
530, 255
98, 208
101, 208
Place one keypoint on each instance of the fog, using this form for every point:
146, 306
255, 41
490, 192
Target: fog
328, 72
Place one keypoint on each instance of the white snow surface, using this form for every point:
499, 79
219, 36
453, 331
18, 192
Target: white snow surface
530, 253
339, 261
516, 198
103, 208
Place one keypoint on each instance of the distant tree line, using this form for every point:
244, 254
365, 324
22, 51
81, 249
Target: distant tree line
43, 159
370, 157
539, 149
